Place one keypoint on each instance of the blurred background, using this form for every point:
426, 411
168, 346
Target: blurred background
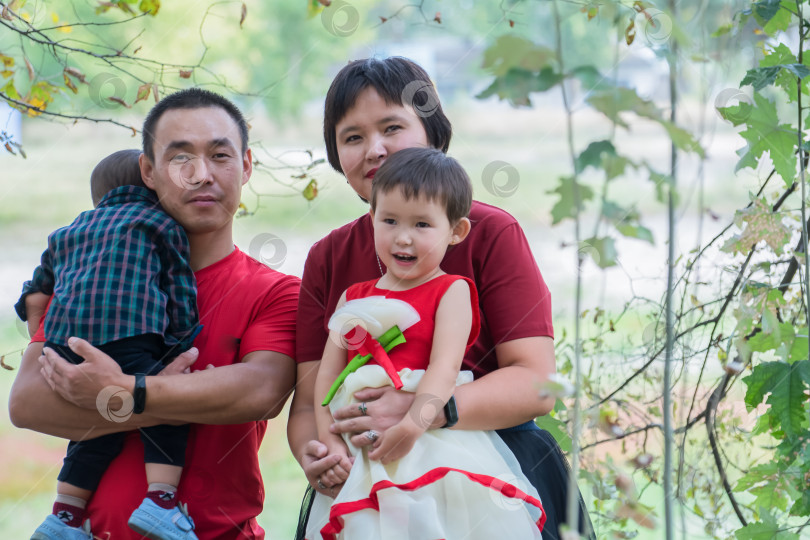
276, 60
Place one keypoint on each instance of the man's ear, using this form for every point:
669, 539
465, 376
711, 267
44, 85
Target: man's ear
460, 231
147, 171
247, 166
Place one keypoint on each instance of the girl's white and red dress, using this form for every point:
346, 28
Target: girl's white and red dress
453, 484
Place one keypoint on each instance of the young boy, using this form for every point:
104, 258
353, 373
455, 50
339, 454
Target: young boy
119, 278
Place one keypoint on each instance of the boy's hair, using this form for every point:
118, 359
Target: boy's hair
190, 98
426, 172
398, 81
118, 169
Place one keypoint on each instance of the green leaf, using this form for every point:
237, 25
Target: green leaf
149, 6
723, 30
591, 78
510, 51
764, 531
614, 101
556, 427
593, 155
765, 472
786, 384
799, 347
758, 224
769, 341
802, 505
761, 77
681, 138
601, 250
764, 133
314, 8
516, 85
765, 10
799, 70
779, 22
564, 208
781, 55
636, 231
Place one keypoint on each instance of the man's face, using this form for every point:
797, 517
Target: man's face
198, 169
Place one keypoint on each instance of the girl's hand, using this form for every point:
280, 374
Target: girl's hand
385, 407
395, 443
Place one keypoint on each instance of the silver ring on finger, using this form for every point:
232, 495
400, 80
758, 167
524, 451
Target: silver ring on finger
372, 435
321, 485
363, 409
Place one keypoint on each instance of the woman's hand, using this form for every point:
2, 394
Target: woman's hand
384, 408
325, 472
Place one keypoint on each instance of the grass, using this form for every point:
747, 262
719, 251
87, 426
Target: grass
48, 189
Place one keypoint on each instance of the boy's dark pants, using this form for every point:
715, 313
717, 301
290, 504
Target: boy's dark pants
86, 461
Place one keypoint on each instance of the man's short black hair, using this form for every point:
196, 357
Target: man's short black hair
120, 168
190, 98
398, 81
429, 173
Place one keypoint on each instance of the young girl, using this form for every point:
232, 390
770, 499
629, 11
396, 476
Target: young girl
449, 484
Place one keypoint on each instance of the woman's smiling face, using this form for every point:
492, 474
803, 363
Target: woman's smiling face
371, 131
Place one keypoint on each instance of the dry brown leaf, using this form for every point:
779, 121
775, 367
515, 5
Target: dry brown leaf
30, 69
69, 84
244, 15
120, 101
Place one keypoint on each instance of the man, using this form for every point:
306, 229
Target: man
196, 159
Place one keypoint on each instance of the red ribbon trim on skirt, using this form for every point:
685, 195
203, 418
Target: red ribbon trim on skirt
335, 524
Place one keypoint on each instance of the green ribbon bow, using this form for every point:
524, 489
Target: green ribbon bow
390, 339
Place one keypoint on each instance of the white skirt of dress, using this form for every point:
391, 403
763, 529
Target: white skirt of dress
453, 484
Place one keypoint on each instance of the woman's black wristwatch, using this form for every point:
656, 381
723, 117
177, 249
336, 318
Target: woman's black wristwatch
450, 413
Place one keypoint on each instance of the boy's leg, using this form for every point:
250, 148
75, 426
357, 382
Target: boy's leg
70, 504
164, 449
164, 446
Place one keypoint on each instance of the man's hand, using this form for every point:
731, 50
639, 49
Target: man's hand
182, 363
385, 407
396, 442
81, 384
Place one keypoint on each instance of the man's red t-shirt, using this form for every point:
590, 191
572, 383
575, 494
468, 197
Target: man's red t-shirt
244, 307
514, 301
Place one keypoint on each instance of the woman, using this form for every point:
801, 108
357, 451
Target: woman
373, 109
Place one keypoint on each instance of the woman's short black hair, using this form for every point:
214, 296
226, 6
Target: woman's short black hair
429, 173
399, 81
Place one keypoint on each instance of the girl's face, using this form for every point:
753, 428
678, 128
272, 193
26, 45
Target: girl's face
411, 237
370, 132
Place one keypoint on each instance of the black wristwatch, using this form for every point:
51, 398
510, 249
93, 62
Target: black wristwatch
139, 394
450, 413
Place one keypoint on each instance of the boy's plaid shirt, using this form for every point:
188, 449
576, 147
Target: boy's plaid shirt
118, 271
